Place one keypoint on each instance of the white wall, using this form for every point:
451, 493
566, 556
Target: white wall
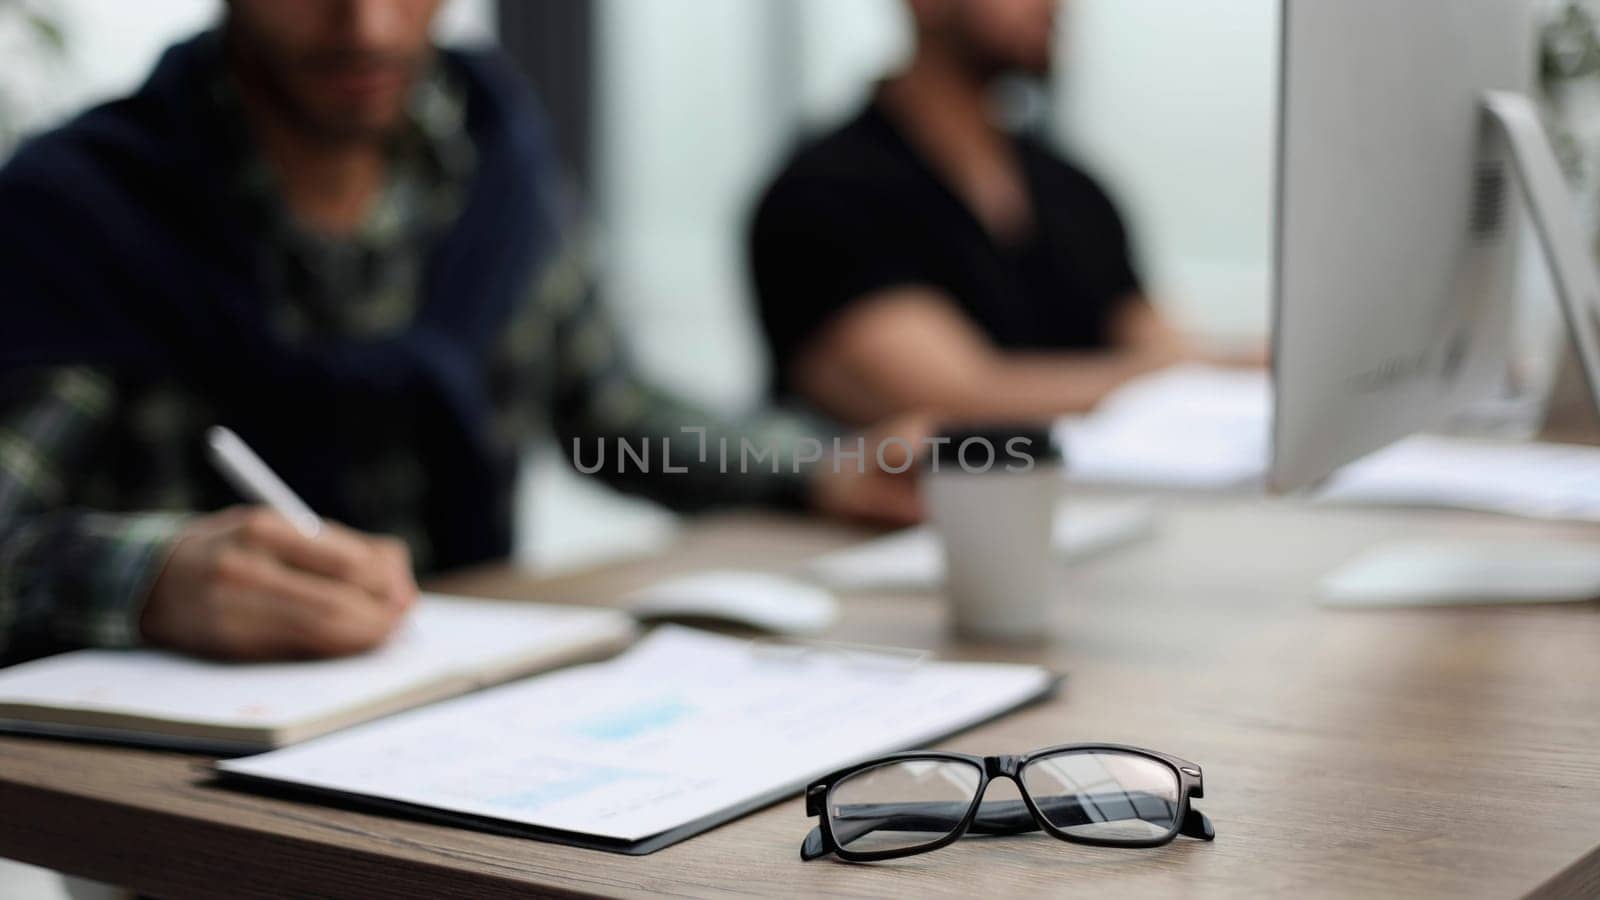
111, 46
845, 46
1173, 103
688, 123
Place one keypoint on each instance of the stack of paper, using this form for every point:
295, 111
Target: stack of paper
685, 731
1542, 481
1201, 428
1189, 427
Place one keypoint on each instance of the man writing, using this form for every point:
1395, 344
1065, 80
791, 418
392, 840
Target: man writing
312, 227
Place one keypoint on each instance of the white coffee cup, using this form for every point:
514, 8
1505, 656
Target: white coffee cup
1002, 575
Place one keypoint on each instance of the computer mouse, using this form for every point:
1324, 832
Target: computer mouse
758, 600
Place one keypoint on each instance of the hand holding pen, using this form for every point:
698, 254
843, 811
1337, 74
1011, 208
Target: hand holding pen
274, 580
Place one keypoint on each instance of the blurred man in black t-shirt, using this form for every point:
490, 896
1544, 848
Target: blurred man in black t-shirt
920, 257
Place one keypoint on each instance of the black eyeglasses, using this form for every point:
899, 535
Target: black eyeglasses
1101, 794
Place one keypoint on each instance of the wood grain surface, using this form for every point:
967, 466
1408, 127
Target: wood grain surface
1347, 753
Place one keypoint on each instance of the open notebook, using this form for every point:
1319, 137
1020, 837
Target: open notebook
685, 731
448, 646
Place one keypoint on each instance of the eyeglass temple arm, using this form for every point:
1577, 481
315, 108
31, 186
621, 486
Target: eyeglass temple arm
1198, 826
1013, 817
813, 848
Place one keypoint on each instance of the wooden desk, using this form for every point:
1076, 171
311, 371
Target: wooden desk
1346, 753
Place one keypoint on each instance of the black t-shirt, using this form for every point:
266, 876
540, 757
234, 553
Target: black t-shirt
859, 211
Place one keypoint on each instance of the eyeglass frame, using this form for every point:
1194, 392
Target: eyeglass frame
1188, 821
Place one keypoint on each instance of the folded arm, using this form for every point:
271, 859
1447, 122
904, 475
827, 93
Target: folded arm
909, 347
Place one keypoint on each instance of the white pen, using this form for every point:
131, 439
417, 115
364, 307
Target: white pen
251, 476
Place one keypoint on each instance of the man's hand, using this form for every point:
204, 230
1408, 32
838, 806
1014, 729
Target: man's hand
879, 488
245, 584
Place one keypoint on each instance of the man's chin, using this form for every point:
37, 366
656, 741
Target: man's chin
354, 126
994, 65
1032, 65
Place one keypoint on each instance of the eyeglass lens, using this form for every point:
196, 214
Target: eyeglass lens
1105, 795
902, 805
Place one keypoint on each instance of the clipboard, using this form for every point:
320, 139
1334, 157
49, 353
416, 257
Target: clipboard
945, 698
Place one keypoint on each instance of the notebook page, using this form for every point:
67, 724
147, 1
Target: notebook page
443, 637
683, 726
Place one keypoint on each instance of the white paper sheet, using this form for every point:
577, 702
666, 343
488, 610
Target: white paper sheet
1543, 481
1188, 427
681, 727
1202, 428
443, 637
912, 559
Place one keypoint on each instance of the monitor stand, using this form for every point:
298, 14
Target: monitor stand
1436, 573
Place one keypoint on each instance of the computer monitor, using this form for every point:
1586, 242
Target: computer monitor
1405, 130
